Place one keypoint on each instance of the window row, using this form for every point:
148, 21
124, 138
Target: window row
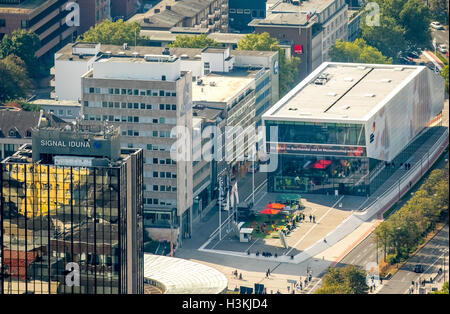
130, 92
128, 119
124, 105
155, 201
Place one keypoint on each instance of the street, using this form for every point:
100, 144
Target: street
430, 257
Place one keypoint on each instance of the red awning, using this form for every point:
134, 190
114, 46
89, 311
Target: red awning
275, 205
269, 211
321, 164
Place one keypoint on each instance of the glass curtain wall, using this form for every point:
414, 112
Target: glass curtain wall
60, 229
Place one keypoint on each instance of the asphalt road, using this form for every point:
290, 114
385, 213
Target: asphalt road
365, 252
430, 257
441, 36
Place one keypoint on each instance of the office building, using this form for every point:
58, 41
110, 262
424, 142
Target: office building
68, 110
47, 18
143, 90
92, 13
124, 9
242, 12
310, 28
71, 213
343, 129
209, 14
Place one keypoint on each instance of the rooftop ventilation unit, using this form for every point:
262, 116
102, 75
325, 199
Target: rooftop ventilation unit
293, 109
320, 81
332, 94
212, 83
369, 95
348, 79
386, 80
346, 107
398, 69
158, 58
361, 67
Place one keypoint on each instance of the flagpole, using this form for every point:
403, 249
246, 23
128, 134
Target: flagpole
220, 209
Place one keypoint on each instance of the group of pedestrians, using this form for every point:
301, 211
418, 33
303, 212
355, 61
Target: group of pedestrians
312, 218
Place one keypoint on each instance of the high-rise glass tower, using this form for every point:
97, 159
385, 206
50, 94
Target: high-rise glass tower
71, 213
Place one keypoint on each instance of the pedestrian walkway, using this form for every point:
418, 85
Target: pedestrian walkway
320, 254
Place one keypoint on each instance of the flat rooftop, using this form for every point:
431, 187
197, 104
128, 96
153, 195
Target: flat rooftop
53, 102
22, 8
222, 87
288, 14
342, 91
65, 53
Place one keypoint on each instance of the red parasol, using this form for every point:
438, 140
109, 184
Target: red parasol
270, 211
276, 206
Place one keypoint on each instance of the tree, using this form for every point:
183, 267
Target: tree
288, 72
24, 45
415, 17
439, 10
444, 74
357, 51
388, 37
114, 33
14, 80
347, 280
403, 24
200, 41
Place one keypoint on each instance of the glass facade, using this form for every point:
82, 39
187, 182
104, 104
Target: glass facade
319, 133
64, 229
320, 174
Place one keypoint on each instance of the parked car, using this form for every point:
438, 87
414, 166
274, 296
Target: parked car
413, 54
418, 268
442, 49
436, 25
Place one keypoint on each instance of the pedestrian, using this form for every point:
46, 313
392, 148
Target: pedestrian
324, 240
314, 219
310, 217
240, 276
267, 274
301, 286
381, 280
268, 271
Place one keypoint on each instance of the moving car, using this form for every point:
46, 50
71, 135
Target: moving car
442, 49
436, 25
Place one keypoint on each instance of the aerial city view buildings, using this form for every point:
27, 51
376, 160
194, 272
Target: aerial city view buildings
223, 147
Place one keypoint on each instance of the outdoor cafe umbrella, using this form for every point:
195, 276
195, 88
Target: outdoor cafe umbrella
276, 206
270, 211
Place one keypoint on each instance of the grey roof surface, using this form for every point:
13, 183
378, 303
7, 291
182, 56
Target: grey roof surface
22, 121
352, 92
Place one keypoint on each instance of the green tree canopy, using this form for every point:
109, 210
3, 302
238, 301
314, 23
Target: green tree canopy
24, 45
403, 23
439, 10
357, 51
347, 280
14, 80
114, 33
200, 41
288, 72
444, 74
